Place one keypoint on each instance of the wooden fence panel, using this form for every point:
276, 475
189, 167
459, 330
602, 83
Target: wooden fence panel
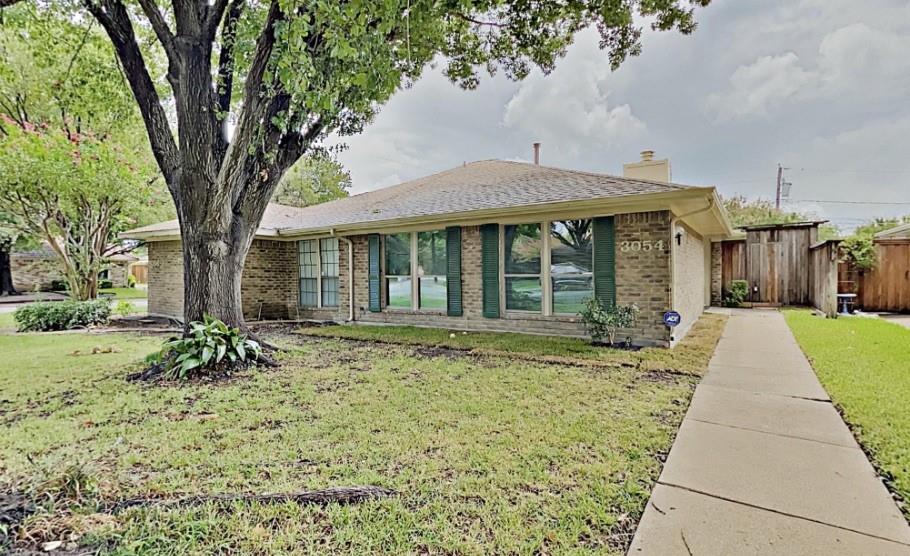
886, 287
823, 277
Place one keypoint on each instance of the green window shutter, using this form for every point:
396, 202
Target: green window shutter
489, 262
453, 271
605, 260
374, 273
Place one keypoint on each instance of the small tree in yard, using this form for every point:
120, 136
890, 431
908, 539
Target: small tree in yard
604, 322
72, 171
288, 72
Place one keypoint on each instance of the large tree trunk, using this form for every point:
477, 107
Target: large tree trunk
212, 270
6, 275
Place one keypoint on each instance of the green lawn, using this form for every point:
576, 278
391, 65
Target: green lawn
489, 454
7, 322
125, 293
864, 364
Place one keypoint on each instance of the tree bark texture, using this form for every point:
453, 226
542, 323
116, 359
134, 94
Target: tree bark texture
220, 187
6, 275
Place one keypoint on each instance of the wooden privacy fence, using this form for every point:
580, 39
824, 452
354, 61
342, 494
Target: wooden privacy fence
823, 277
886, 286
783, 264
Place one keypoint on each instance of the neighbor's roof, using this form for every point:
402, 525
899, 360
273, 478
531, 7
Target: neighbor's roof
898, 232
472, 188
276, 217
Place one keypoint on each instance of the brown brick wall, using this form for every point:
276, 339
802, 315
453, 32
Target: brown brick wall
269, 286
716, 277
269, 279
165, 278
643, 277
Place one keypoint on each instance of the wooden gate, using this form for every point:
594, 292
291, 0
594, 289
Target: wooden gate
777, 266
886, 287
733, 264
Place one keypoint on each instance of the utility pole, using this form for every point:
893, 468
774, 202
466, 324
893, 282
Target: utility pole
780, 182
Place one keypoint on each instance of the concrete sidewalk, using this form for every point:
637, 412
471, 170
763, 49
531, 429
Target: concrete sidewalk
763, 463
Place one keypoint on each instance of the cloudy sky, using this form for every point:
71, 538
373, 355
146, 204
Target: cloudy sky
820, 86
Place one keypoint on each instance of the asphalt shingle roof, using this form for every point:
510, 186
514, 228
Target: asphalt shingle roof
487, 184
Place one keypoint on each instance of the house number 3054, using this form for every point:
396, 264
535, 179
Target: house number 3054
643, 245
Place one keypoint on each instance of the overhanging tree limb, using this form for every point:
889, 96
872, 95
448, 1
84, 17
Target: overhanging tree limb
113, 16
159, 25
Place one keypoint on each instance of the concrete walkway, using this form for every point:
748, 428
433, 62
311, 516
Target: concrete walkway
763, 463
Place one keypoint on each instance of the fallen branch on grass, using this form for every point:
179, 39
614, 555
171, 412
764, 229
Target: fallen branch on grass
336, 495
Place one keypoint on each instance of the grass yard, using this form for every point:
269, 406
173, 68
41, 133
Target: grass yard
864, 364
7, 322
125, 293
489, 454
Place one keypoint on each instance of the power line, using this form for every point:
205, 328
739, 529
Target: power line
851, 202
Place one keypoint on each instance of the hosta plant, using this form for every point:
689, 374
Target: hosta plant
210, 347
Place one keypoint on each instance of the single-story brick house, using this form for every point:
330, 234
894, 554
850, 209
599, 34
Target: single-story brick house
490, 245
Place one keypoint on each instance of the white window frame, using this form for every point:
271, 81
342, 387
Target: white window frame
549, 260
319, 304
414, 268
546, 282
544, 271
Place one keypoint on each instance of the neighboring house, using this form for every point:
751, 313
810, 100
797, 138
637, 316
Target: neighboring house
491, 245
39, 269
34, 270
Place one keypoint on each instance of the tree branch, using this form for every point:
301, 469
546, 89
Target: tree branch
113, 16
225, 82
159, 25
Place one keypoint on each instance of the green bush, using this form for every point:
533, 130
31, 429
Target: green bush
105, 284
124, 308
604, 322
739, 290
130, 281
211, 347
61, 315
58, 285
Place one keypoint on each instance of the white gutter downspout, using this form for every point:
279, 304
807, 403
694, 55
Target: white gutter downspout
673, 222
350, 245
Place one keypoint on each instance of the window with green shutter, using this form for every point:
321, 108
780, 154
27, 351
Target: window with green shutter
605, 260
489, 259
453, 271
374, 275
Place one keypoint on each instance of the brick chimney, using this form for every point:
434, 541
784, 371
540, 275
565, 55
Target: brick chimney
536, 153
648, 168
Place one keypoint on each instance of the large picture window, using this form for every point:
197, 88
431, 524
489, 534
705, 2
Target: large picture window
431, 269
521, 258
318, 263
571, 264
398, 284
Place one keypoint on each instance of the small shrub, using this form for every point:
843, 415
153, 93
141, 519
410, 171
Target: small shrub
604, 322
131, 281
105, 284
212, 347
61, 315
739, 290
124, 308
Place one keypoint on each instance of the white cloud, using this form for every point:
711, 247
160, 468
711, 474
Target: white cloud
570, 109
854, 62
761, 86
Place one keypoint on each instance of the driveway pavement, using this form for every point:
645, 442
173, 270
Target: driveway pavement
763, 463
